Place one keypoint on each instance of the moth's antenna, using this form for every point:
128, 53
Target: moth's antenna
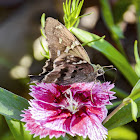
112, 68
91, 93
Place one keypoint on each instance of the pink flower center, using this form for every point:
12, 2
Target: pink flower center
71, 104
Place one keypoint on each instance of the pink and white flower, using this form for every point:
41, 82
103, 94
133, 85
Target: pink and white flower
77, 109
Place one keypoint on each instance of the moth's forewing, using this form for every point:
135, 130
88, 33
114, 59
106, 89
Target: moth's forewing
69, 62
61, 40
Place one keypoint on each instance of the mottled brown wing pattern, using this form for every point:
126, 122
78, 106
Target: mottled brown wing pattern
68, 69
61, 40
46, 69
69, 62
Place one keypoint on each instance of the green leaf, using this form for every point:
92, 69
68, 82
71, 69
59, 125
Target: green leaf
109, 21
116, 30
122, 133
43, 20
136, 54
11, 104
110, 52
84, 44
108, 18
42, 33
123, 116
47, 56
134, 110
123, 7
114, 105
18, 130
86, 15
137, 68
71, 12
137, 59
120, 93
137, 6
107, 14
77, 23
135, 93
45, 48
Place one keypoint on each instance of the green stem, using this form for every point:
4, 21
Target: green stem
113, 112
125, 102
137, 5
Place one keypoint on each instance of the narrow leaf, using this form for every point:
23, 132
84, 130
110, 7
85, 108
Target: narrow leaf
42, 33
137, 68
77, 23
73, 5
118, 14
109, 21
134, 110
136, 54
69, 5
47, 56
85, 15
135, 93
71, 10
110, 52
137, 6
43, 20
45, 48
84, 44
137, 59
107, 14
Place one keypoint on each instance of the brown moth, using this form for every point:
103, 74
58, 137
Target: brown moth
69, 62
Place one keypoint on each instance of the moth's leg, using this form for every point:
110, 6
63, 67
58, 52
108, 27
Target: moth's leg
91, 91
96, 81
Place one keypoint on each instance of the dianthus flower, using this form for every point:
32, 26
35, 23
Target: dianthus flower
77, 109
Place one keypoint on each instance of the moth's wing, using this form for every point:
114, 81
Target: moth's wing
48, 67
61, 40
69, 69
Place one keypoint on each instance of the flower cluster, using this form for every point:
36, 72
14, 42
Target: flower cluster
77, 109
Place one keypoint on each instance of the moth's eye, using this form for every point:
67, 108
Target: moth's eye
100, 72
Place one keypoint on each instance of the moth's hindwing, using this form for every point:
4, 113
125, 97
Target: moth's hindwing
69, 69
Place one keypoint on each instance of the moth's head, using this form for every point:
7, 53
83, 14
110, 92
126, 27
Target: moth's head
99, 70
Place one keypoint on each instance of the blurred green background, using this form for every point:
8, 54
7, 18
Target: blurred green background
20, 48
